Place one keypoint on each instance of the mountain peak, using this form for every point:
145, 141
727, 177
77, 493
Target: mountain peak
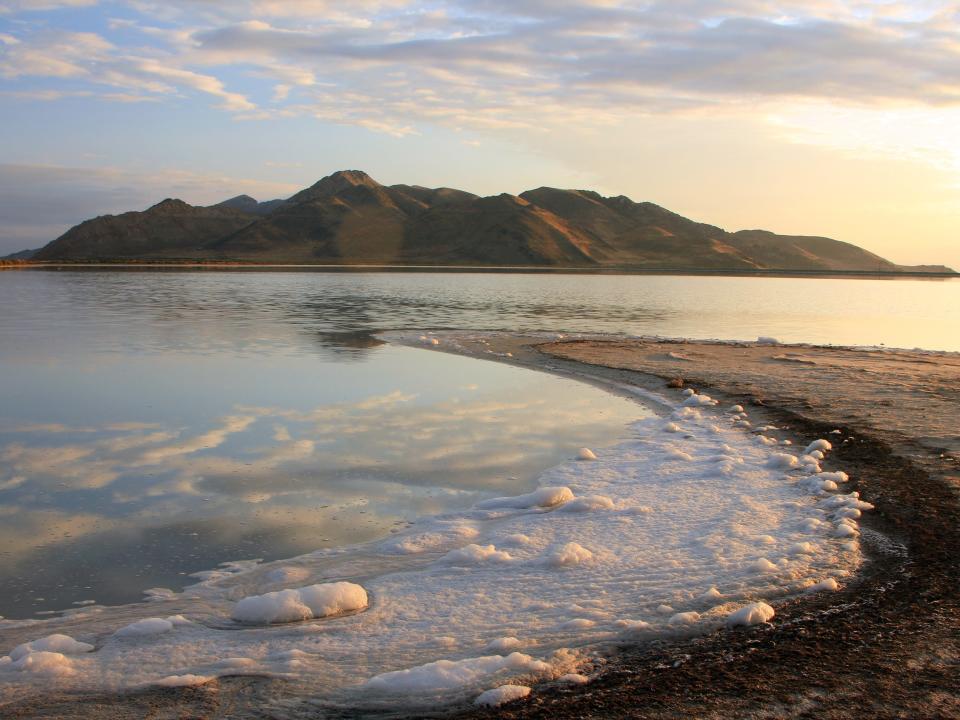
170, 205
343, 179
335, 183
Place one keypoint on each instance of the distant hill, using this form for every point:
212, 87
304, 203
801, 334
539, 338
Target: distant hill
349, 218
21, 255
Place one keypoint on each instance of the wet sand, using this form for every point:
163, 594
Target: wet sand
886, 646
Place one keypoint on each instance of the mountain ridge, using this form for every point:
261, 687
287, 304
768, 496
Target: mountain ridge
349, 218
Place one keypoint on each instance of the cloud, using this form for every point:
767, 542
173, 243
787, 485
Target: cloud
53, 54
13, 6
492, 64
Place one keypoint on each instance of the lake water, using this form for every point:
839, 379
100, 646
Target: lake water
155, 424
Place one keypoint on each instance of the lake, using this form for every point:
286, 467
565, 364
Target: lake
156, 423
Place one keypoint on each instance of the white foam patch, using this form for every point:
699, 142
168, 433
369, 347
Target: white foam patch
824, 585
569, 555
57, 642
504, 644
501, 695
545, 497
637, 543
147, 627
475, 554
753, 614
313, 601
452, 675
43, 663
586, 454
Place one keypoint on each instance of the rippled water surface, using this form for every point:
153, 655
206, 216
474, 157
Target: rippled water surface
154, 424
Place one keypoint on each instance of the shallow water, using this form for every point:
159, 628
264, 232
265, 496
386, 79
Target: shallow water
145, 436
153, 424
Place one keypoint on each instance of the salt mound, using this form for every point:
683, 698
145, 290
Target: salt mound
828, 584
588, 503
569, 555
763, 566
545, 497
754, 614
820, 445
586, 454
782, 460
145, 628
699, 401
503, 694
56, 643
475, 554
504, 644
454, 674
44, 663
313, 601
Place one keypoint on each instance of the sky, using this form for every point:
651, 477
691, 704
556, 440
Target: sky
807, 117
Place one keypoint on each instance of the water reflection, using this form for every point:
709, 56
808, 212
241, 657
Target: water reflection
104, 510
348, 345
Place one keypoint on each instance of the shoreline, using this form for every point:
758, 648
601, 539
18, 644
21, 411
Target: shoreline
888, 644
838, 655
226, 265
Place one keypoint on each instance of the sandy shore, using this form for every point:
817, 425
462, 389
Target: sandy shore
887, 645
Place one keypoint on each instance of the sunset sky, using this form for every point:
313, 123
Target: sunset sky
802, 116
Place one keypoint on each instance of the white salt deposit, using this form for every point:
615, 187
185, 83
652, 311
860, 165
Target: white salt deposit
569, 555
545, 497
452, 675
588, 503
145, 628
685, 618
753, 614
313, 601
43, 663
501, 695
664, 533
828, 584
475, 554
51, 643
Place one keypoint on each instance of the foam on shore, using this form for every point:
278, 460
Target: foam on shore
667, 533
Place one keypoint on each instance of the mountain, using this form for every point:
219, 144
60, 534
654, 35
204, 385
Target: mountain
246, 204
21, 255
349, 218
171, 228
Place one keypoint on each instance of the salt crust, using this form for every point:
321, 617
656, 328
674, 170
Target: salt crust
503, 694
666, 533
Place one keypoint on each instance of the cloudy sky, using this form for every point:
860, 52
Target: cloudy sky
799, 116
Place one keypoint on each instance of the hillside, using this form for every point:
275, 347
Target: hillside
349, 218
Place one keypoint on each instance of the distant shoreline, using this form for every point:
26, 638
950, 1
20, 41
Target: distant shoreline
384, 267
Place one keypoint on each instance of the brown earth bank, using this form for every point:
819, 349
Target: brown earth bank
885, 646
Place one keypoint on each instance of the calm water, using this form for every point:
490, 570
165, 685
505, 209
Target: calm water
154, 424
